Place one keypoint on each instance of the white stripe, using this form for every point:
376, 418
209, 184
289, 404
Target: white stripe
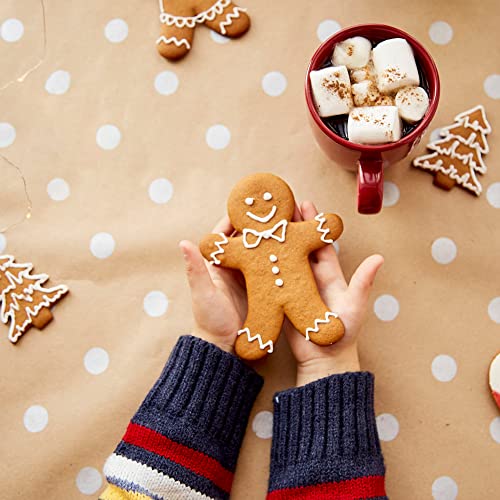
149, 479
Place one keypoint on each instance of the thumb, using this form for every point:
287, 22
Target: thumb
362, 280
197, 273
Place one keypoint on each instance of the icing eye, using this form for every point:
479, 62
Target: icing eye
267, 196
249, 201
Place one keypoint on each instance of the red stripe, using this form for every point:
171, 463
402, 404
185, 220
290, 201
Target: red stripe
195, 461
353, 489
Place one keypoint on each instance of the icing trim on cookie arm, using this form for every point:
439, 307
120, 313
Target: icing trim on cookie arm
230, 17
174, 40
219, 250
323, 230
264, 219
258, 337
320, 321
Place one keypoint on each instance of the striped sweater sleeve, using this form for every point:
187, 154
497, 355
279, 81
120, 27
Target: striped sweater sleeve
325, 442
184, 440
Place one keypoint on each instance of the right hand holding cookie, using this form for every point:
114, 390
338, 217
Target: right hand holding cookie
348, 300
218, 295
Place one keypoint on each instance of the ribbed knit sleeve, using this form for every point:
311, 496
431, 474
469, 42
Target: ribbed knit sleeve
184, 440
325, 442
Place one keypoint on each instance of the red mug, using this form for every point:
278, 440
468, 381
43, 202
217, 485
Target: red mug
370, 161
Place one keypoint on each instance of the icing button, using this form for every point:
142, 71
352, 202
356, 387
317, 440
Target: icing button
278, 282
273, 258
275, 269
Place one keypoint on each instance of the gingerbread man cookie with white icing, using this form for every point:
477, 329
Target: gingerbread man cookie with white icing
273, 254
179, 19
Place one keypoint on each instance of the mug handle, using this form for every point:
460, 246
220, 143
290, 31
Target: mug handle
370, 185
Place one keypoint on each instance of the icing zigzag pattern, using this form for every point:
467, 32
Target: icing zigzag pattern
320, 321
219, 250
175, 40
321, 219
207, 15
258, 337
229, 19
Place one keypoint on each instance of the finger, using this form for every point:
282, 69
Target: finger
362, 280
223, 226
197, 273
297, 216
327, 261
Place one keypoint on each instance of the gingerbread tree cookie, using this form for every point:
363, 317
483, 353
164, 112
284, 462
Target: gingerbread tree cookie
24, 301
179, 19
273, 254
457, 158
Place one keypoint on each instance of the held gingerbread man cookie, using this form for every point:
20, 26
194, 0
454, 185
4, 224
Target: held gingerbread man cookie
273, 254
179, 19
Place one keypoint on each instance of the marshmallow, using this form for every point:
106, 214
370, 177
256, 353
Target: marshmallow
395, 65
365, 93
352, 52
367, 72
331, 89
374, 125
412, 103
384, 100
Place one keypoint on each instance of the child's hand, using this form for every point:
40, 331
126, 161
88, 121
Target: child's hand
349, 301
218, 295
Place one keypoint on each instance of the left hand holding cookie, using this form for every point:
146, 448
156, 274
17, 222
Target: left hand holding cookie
218, 295
348, 300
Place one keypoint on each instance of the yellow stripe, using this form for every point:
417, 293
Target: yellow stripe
112, 492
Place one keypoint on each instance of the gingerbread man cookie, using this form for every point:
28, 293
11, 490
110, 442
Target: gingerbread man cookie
273, 254
179, 19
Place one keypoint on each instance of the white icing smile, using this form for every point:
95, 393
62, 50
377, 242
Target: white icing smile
264, 219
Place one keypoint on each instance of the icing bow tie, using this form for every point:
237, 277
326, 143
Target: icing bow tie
252, 238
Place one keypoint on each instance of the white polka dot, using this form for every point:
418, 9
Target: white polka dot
387, 427
493, 195
440, 33
444, 368
495, 429
444, 250
108, 137
160, 191
435, 135
274, 83
96, 360
12, 30
166, 83
116, 30
444, 488
218, 137
155, 304
386, 307
7, 135
102, 245
3, 242
262, 425
58, 83
219, 38
88, 480
391, 194
494, 309
492, 86
58, 189
36, 418
326, 29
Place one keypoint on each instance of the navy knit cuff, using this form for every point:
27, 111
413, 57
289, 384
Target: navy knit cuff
202, 399
325, 432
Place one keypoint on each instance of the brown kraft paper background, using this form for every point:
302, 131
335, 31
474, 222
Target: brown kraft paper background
443, 427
